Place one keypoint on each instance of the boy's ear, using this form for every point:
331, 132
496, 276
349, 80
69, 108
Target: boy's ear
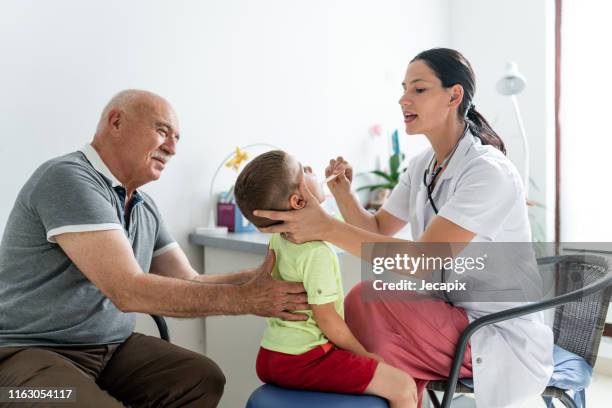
303, 190
296, 201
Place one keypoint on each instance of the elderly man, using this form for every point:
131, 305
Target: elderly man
73, 263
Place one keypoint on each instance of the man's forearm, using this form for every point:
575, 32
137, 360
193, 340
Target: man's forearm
148, 293
236, 278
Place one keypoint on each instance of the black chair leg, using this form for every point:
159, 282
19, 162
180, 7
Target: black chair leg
567, 401
433, 398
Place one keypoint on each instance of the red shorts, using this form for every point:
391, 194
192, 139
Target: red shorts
324, 368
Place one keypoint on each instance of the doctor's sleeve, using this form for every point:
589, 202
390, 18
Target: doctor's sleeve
483, 198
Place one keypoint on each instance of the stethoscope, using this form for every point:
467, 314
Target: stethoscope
430, 187
436, 171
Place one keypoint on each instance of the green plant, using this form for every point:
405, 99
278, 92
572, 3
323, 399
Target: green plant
391, 178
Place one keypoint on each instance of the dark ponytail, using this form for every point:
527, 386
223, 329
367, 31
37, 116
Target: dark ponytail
481, 129
452, 68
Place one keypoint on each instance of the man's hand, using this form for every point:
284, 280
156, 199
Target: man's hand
268, 297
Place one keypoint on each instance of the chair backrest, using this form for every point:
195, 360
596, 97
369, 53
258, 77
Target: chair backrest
162, 327
579, 325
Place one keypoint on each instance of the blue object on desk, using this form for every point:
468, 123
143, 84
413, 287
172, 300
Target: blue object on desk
241, 224
395, 142
271, 396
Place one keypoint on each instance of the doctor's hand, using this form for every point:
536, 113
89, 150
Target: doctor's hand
342, 183
310, 223
269, 297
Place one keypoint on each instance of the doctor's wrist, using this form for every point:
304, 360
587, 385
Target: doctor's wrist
342, 194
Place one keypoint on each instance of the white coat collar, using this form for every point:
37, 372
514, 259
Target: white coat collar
453, 168
454, 165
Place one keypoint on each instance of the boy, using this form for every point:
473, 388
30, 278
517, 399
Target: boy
320, 353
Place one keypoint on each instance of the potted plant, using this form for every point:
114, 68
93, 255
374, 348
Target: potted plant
380, 191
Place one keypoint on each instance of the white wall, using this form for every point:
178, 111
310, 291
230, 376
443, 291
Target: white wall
490, 33
310, 77
585, 133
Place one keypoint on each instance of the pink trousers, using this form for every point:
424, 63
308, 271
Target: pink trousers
417, 336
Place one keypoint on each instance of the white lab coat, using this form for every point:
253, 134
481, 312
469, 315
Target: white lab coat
481, 191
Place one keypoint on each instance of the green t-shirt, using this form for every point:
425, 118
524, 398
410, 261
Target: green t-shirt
315, 264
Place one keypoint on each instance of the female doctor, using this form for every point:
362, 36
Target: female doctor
462, 189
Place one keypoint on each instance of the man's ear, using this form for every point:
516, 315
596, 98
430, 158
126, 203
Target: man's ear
115, 119
456, 95
296, 201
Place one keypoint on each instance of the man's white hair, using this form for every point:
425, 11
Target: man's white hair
127, 101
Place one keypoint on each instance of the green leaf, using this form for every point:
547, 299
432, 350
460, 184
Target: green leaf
375, 186
382, 174
394, 162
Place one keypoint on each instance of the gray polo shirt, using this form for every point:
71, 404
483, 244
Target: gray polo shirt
44, 297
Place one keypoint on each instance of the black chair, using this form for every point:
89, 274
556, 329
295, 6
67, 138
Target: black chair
162, 327
582, 295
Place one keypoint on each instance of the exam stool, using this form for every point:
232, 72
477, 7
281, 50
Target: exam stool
272, 396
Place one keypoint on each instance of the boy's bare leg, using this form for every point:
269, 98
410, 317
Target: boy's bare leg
395, 385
